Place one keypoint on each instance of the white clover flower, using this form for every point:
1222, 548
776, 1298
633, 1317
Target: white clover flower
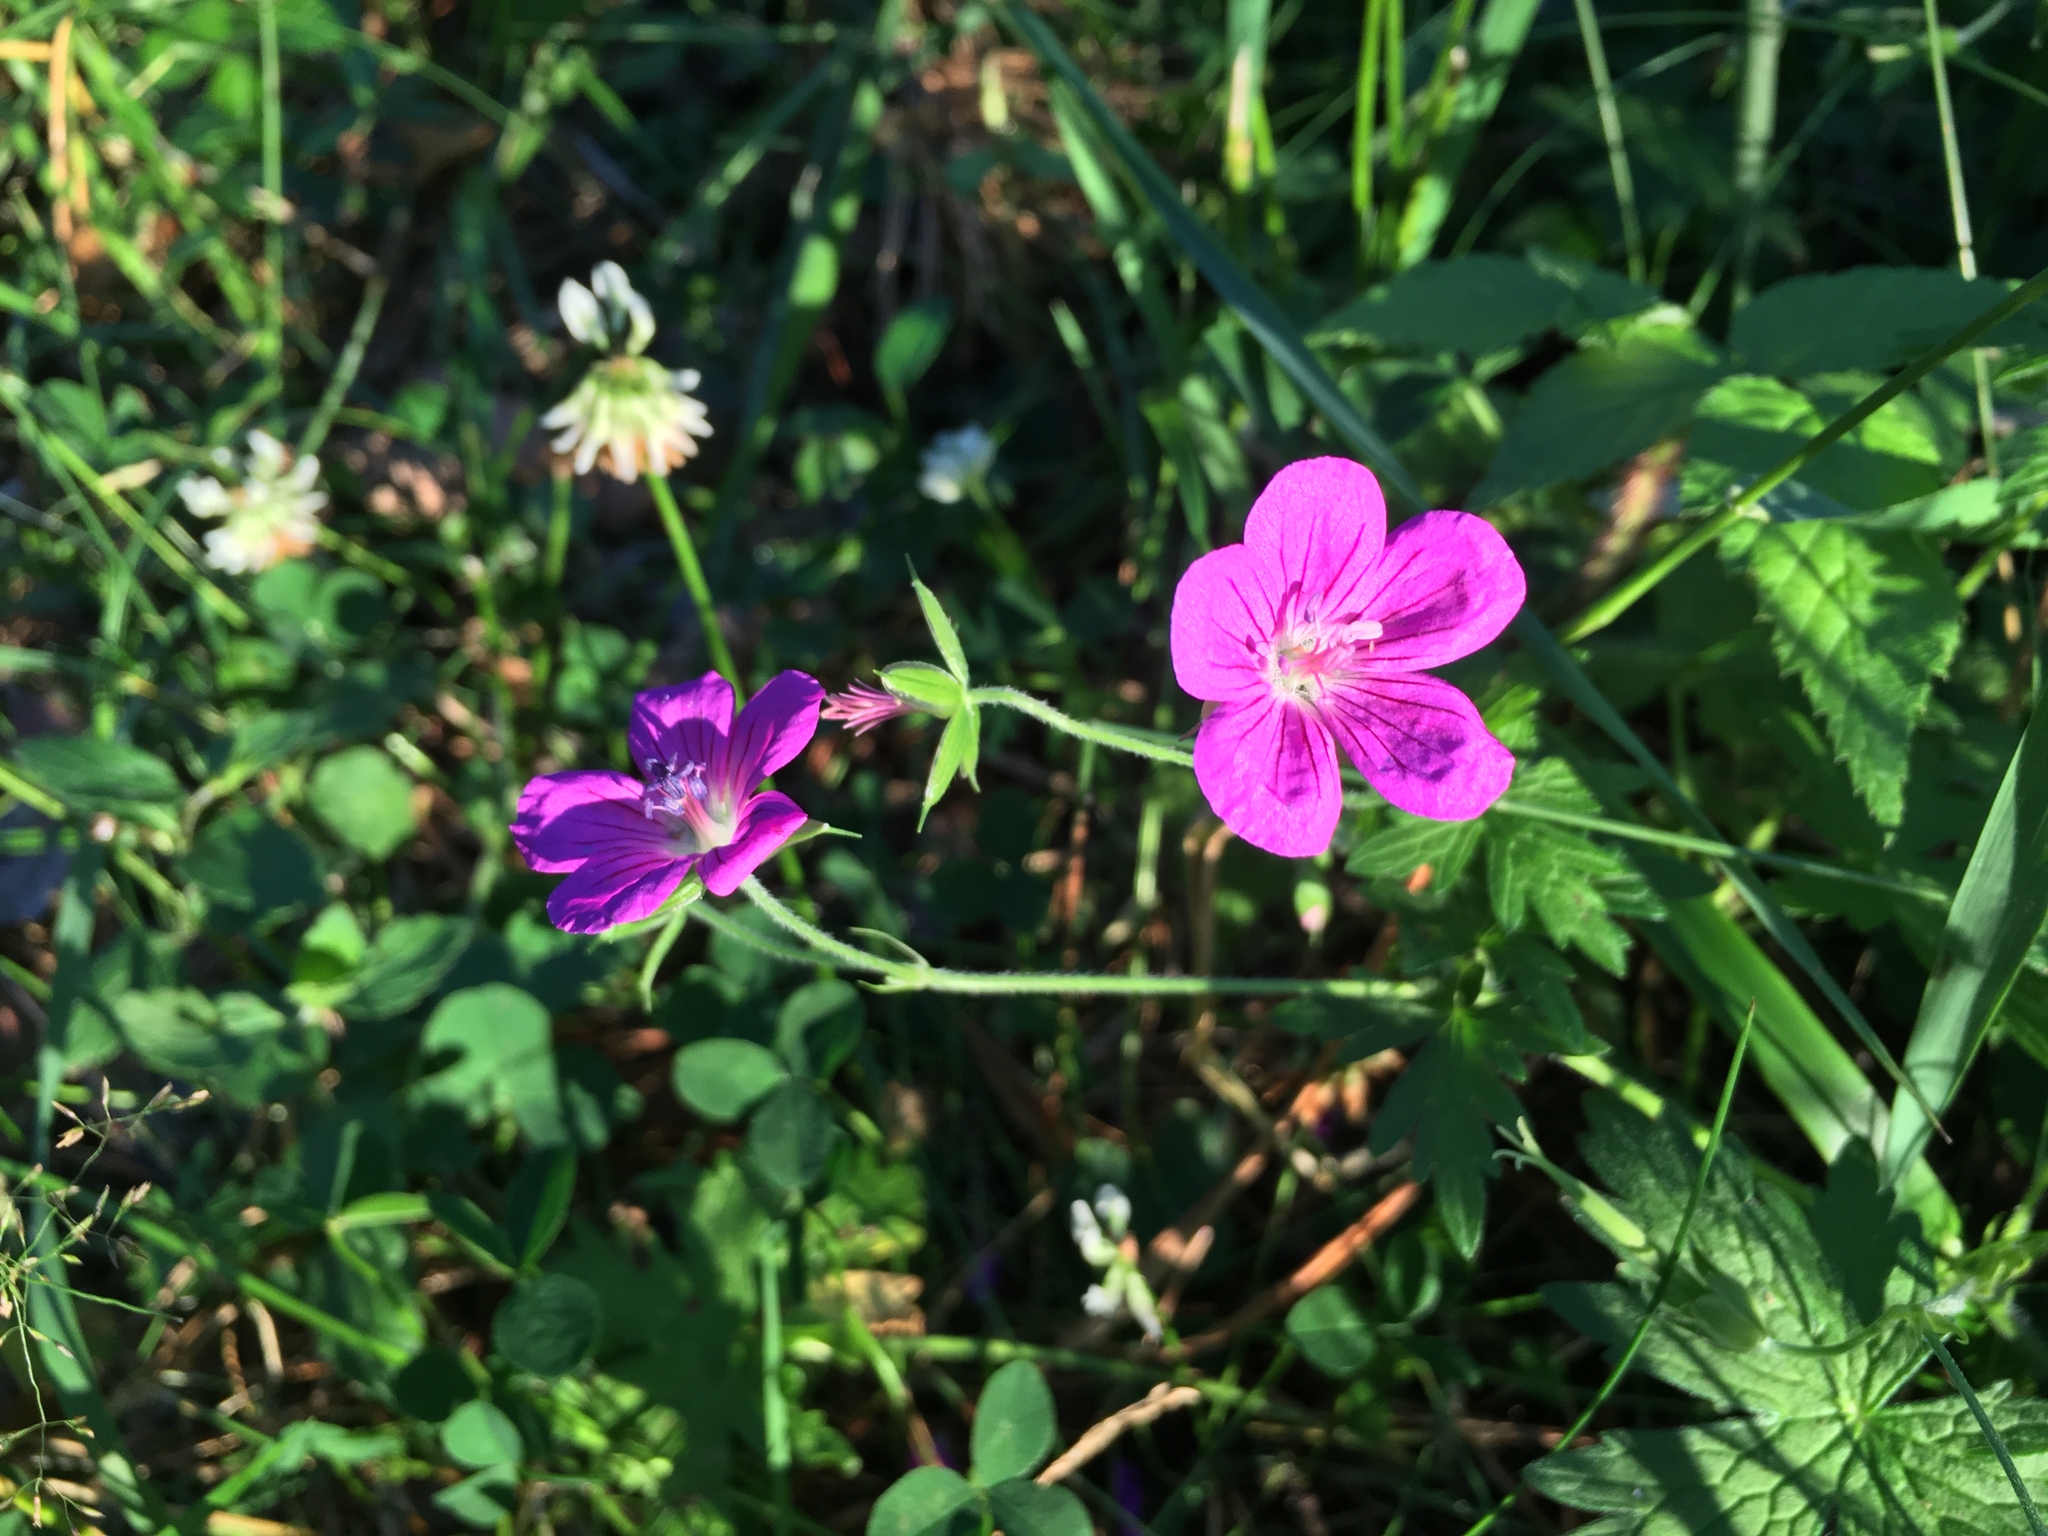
1099, 1232
271, 516
956, 464
628, 410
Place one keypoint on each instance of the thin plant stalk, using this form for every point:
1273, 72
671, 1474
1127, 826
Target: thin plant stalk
1959, 212
1610, 130
1367, 110
1991, 1435
693, 576
1666, 1272
273, 185
558, 531
1754, 130
774, 1406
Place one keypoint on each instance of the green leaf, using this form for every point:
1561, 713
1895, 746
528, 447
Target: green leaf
478, 1435
911, 344
405, 963
548, 1325
504, 1062
791, 1138
1470, 304
1447, 1098
365, 799
959, 752
248, 863
432, 1385
1407, 845
1996, 916
1866, 622
1599, 406
1814, 1440
929, 1501
943, 634
1014, 1424
1021, 1507
90, 775
483, 1500
722, 1079
236, 1044
1868, 317
1331, 1333
1570, 884
537, 1203
1746, 425
819, 1026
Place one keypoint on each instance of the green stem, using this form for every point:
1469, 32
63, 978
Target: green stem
1622, 598
558, 531
1122, 738
1610, 129
1991, 1435
351, 363
1959, 213
1666, 1273
693, 576
273, 185
1754, 129
774, 1406
1366, 108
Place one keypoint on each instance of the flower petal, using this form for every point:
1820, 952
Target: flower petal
685, 723
1446, 585
1420, 743
1222, 621
616, 887
580, 314
777, 723
1269, 770
1318, 526
566, 818
769, 821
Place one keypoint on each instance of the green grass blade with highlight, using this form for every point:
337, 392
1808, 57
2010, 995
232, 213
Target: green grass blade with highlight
1998, 910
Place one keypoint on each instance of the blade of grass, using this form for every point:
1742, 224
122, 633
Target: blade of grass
1998, 911
1755, 126
1261, 316
1990, 1432
1625, 596
1666, 1272
1610, 129
1365, 109
273, 186
1959, 215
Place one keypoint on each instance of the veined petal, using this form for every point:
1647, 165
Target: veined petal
777, 723
1222, 623
1420, 743
1446, 585
769, 821
615, 887
1268, 768
686, 723
1318, 526
565, 818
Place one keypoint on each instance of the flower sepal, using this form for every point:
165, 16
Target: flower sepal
816, 828
933, 690
959, 755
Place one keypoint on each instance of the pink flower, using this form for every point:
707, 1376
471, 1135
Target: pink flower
1312, 634
627, 843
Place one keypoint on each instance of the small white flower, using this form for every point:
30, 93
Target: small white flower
1098, 1302
956, 463
1113, 1207
271, 516
1095, 1248
1099, 1232
628, 409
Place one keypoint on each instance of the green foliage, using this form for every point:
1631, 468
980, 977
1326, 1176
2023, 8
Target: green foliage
1331, 1333
365, 800
1014, 1424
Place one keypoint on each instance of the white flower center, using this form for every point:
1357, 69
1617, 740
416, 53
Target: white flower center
678, 796
1309, 649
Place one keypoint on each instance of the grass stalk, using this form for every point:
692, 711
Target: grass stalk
1959, 214
1610, 130
273, 186
693, 575
1755, 127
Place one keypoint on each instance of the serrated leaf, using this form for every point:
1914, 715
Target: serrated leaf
1447, 1098
1407, 845
1559, 876
1866, 621
1813, 1441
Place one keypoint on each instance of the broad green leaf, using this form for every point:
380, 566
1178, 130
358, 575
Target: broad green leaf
1757, 1323
248, 863
928, 1501
1867, 317
537, 1203
504, 1061
432, 1385
1014, 1424
405, 963
1866, 622
911, 344
365, 799
91, 775
1021, 1507
722, 1079
1331, 1333
1599, 406
1565, 880
1747, 424
1996, 916
484, 1500
818, 1027
478, 1435
1470, 304
791, 1137
236, 1044
1409, 845
1449, 1098
548, 1325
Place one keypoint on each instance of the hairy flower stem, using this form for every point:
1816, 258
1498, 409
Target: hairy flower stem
693, 577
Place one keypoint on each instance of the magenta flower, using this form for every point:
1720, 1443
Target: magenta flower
627, 843
1312, 634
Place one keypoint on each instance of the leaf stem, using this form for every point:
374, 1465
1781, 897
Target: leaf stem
1666, 1273
1990, 1432
693, 576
